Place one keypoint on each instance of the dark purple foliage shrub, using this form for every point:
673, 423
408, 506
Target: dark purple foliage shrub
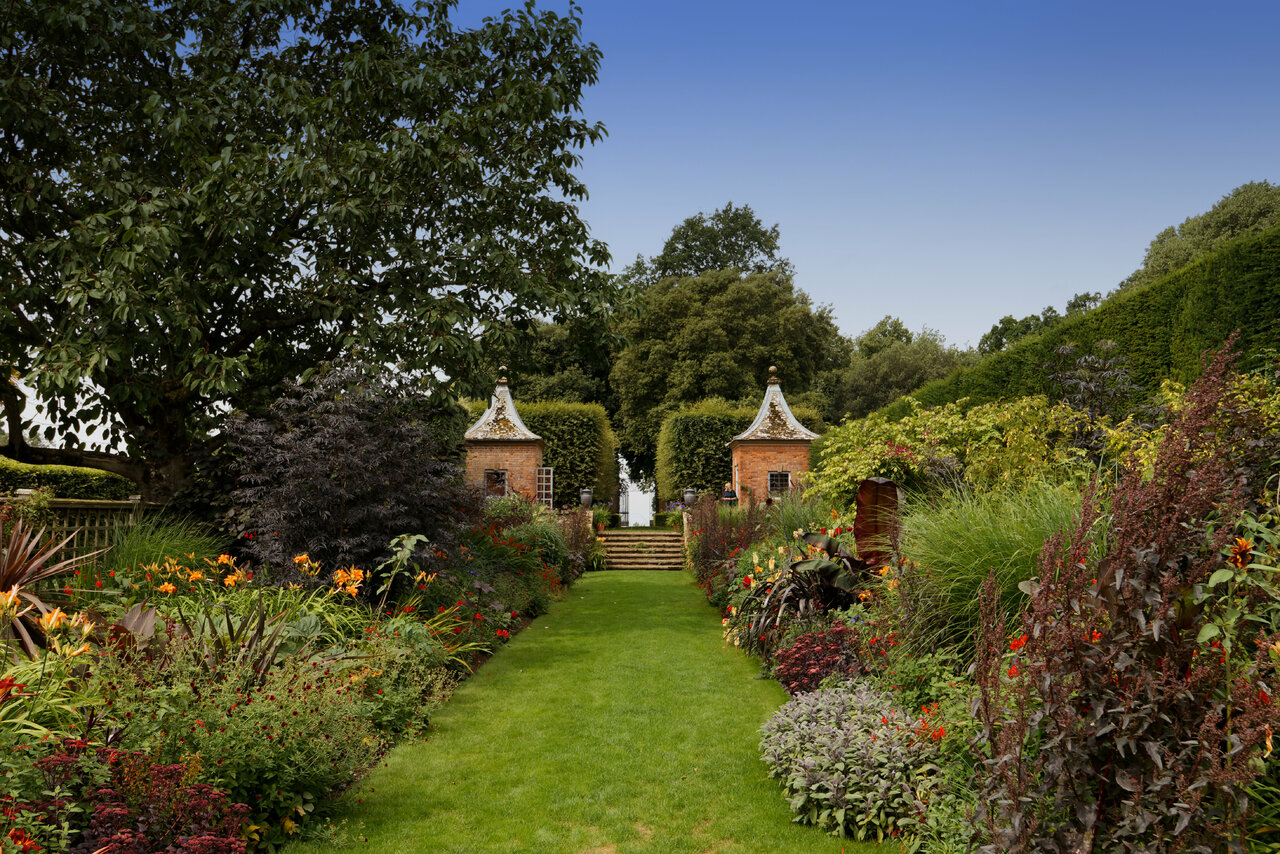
1107, 723
815, 656
338, 468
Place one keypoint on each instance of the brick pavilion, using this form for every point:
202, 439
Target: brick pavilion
769, 454
503, 455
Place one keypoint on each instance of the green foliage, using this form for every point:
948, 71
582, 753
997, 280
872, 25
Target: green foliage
715, 335
693, 445
850, 762
580, 445
279, 740
1249, 209
237, 193
160, 535
990, 445
65, 481
1162, 328
730, 238
953, 540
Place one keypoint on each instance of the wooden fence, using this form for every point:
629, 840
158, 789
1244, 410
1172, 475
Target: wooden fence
91, 524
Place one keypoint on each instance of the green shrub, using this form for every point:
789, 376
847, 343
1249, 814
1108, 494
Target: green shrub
1161, 328
954, 539
580, 446
65, 481
279, 741
850, 762
693, 445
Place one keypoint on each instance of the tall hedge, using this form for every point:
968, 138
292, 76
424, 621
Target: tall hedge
693, 445
66, 481
580, 445
1161, 328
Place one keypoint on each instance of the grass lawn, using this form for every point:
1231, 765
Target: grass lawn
619, 722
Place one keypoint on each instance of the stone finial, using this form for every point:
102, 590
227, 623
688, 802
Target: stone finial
502, 374
773, 374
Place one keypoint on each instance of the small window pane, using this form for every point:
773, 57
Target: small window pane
495, 482
779, 482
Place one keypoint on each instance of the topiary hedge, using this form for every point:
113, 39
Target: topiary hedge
693, 445
1161, 329
580, 445
65, 481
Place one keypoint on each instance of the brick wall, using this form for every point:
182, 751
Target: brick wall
520, 459
753, 461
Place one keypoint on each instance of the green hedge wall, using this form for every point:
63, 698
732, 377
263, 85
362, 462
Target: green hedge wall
1161, 328
693, 446
580, 445
66, 481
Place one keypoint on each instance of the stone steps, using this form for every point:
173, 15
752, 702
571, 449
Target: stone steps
643, 550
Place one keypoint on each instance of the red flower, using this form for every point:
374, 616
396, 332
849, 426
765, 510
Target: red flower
479, 618
98, 583
1013, 671
1018, 643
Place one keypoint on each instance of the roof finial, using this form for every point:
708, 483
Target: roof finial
502, 374
773, 373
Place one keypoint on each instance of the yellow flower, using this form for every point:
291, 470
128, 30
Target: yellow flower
884, 571
52, 621
83, 648
169, 588
773, 563
9, 599
864, 595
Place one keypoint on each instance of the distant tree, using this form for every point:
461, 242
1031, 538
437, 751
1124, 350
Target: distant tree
715, 335
202, 200
888, 362
731, 237
1248, 209
887, 332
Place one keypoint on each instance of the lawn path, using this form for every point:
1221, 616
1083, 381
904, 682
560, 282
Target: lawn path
620, 722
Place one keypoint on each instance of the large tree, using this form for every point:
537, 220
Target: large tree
715, 335
201, 199
731, 237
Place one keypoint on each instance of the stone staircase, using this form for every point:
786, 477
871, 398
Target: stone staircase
643, 549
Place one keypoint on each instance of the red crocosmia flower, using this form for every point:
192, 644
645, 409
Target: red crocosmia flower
1013, 671
746, 581
1018, 643
514, 615
457, 630
479, 618
98, 583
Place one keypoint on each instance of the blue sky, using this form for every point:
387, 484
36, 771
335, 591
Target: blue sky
944, 162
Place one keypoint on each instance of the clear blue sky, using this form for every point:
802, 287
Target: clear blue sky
944, 162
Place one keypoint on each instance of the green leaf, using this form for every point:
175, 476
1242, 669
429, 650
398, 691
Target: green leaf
1221, 576
1209, 632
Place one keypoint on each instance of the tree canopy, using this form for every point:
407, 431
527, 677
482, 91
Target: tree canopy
715, 335
731, 237
200, 200
1251, 208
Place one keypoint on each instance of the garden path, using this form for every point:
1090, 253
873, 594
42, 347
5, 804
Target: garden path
620, 722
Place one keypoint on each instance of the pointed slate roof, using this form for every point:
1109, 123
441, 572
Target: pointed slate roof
774, 422
501, 422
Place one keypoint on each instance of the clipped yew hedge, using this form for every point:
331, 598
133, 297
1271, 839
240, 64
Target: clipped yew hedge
580, 445
1161, 328
693, 445
65, 481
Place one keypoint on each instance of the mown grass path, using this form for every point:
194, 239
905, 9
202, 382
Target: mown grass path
620, 722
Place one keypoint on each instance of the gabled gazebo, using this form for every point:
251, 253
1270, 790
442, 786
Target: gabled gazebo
775, 448
503, 455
